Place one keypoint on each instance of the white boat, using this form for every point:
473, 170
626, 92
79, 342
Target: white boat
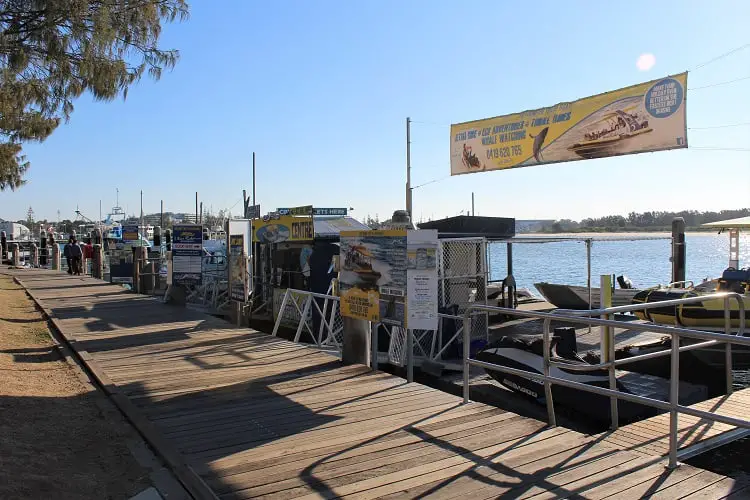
577, 297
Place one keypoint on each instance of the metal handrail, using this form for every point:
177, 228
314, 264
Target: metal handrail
576, 317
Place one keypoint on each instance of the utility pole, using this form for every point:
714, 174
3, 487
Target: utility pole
472, 203
142, 211
161, 213
196, 207
408, 165
254, 178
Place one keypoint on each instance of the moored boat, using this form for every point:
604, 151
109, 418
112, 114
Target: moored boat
577, 297
707, 313
528, 354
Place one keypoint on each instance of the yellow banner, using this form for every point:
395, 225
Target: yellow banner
283, 228
642, 118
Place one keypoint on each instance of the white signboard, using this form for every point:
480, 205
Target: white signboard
422, 279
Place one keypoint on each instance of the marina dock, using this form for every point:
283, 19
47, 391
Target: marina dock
240, 414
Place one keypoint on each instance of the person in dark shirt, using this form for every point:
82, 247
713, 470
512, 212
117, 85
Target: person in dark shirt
66, 253
76, 256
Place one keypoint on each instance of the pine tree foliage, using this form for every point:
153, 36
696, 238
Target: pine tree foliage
52, 51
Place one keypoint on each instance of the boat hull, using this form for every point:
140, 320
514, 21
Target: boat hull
577, 297
705, 314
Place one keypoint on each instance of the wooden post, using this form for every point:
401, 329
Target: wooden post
16, 254
55, 256
355, 348
97, 270
137, 269
34, 255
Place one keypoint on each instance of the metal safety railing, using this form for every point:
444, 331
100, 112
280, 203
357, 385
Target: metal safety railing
330, 330
299, 306
586, 318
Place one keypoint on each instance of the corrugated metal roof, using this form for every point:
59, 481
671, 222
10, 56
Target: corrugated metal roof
331, 227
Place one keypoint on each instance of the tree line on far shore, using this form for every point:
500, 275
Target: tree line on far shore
646, 221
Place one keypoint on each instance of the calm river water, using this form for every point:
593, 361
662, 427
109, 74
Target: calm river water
645, 262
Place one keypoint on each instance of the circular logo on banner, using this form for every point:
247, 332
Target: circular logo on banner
664, 98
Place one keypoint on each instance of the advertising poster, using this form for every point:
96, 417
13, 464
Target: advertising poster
121, 264
422, 279
237, 262
187, 254
130, 233
373, 275
275, 228
641, 118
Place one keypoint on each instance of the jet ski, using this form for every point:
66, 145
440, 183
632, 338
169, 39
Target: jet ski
527, 353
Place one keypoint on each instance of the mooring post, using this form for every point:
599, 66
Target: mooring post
355, 348
16, 254
55, 256
678, 250
97, 269
34, 255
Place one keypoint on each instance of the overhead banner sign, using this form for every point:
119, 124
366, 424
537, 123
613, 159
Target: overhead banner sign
187, 254
306, 210
316, 211
280, 228
637, 119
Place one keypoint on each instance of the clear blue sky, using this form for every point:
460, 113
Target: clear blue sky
320, 91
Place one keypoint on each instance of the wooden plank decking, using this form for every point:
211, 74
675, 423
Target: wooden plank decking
651, 436
240, 414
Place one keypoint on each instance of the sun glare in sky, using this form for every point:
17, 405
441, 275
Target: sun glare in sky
645, 62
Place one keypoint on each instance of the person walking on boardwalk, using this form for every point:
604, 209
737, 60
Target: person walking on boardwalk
68, 257
76, 256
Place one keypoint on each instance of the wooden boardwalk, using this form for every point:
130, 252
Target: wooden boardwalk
240, 414
651, 436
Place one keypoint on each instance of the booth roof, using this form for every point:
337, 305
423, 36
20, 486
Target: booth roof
331, 227
464, 226
739, 223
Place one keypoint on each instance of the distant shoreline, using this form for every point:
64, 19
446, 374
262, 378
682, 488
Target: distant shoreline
604, 234
594, 232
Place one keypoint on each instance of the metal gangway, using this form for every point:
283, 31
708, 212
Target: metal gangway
602, 318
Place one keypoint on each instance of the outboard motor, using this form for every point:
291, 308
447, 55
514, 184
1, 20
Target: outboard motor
566, 346
624, 282
508, 297
734, 280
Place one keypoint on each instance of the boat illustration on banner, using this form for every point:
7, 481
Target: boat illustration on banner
611, 134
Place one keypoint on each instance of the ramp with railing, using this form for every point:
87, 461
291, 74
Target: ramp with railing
738, 425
